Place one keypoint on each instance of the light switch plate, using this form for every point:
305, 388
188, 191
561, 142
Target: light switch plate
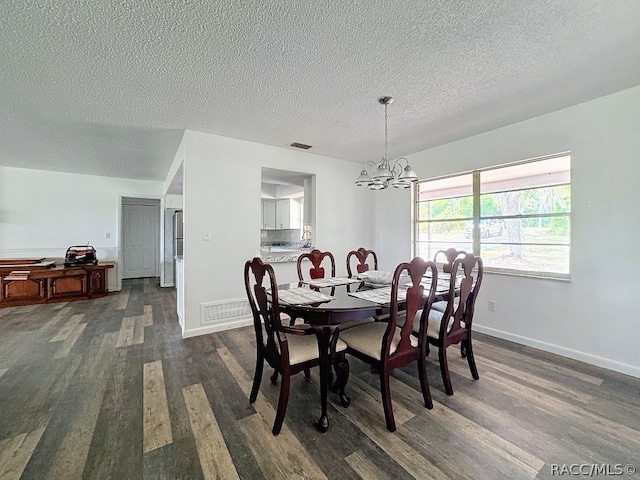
206, 235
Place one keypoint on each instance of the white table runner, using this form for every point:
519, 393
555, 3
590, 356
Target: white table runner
332, 282
379, 295
302, 296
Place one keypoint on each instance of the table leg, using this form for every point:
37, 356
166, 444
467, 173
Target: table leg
342, 372
324, 338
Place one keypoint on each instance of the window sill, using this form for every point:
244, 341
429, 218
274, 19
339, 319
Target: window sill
561, 277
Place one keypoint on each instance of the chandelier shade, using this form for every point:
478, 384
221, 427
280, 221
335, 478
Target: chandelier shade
384, 174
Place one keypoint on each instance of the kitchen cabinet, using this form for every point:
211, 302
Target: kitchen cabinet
280, 214
268, 214
288, 214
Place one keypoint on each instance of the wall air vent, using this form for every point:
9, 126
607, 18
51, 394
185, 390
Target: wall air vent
224, 311
301, 145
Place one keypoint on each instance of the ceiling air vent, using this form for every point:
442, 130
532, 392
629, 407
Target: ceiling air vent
301, 145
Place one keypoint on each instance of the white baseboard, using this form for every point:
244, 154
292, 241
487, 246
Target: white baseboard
531, 342
614, 365
217, 327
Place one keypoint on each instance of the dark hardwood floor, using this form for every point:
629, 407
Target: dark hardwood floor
107, 388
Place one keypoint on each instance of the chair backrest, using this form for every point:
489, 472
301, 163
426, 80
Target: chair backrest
450, 255
466, 277
415, 300
361, 255
319, 260
260, 283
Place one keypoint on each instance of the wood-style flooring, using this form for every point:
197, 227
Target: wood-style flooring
107, 388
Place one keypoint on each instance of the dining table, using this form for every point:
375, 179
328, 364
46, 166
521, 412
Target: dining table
327, 303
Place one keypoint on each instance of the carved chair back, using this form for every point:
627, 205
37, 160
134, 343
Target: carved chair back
450, 255
466, 277
319, 261
362, 257
260, 283
416, 299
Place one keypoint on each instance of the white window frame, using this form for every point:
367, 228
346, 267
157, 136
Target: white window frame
477, 218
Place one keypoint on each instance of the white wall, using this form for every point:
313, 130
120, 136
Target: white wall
222, 195
175, 170
594, 317
43, 213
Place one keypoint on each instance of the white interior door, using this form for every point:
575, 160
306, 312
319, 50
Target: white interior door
140, 240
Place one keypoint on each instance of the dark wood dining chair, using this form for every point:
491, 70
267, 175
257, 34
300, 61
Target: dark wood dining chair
288, 350
317, 262
363, 259
387, 345
454, 324
450, 255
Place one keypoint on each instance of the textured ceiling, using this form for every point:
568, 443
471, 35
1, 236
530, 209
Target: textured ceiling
108, 87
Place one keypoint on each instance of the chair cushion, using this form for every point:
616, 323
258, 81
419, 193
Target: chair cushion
433, 323
303, 348
367, 339
287, 321
442, 306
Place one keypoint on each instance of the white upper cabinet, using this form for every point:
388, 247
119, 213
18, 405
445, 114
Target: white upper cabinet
288, 214
280, 214
268, 214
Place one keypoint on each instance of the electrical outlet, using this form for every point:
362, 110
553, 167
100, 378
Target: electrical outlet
492, 305
107, 235
206, 235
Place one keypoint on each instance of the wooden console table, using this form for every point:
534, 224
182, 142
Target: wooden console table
31, 282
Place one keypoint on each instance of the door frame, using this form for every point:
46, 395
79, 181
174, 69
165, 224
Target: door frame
120, 235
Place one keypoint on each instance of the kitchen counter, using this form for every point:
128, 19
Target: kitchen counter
281, 254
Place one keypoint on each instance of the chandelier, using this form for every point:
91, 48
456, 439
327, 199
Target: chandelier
386, 175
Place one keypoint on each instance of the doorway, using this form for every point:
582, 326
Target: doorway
140, 237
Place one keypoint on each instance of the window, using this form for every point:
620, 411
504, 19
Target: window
517, 217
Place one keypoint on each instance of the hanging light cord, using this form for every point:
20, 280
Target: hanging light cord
386, 136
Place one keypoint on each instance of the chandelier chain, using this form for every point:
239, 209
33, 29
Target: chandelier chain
386, 136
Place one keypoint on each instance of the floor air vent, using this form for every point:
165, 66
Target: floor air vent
224, 311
